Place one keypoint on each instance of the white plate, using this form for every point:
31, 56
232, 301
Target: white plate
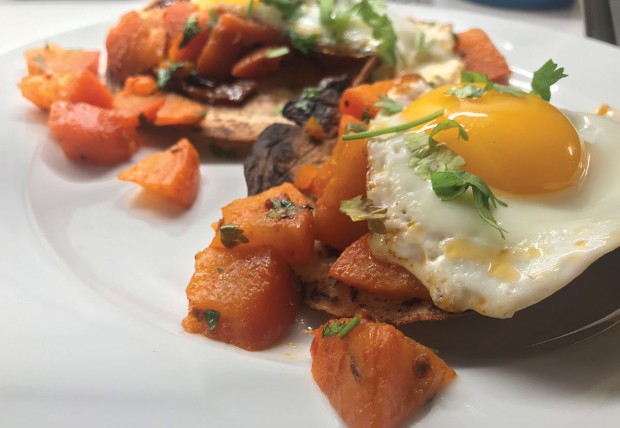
92, 280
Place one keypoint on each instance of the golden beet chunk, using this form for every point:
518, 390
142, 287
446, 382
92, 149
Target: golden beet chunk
279, 217
173, 173
343, 177
246, 296
375, 376
358, 268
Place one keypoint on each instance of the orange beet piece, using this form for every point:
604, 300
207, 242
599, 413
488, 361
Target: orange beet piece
345, 178
178, 110
251, 288
304, 176
54, 59
230, 39
375, 376
481, 55
173, 173
142, 85
325, 171
136, 44
359, 101
289, 232
357, 267
91, 134
85, 87
135, 105
258, 63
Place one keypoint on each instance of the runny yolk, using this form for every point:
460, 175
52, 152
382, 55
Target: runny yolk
520, 145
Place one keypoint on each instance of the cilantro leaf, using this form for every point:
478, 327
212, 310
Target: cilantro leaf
467, 91
283, 208
302, 43
232, 235
359, 209
212, 317
190, 30
429, 156
335, 22
355, 127
213, 17
448, 124
449, 185
382, 30
510, 90
545, 77
341, 328
388, 106
165, 74
474, 77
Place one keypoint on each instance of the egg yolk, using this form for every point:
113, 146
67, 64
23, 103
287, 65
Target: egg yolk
521, 145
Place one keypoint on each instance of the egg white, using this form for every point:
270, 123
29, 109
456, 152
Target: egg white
464, 262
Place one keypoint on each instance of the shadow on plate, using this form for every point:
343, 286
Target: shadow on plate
585, 307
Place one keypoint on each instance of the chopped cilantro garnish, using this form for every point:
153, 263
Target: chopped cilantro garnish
355, 127
341, 328
165, 74
302, 43
190, 30
232, 235
388, 106
360, 209
382, 30
212, 317
449, 185
213, 17
282, 207
545, 77
467, 91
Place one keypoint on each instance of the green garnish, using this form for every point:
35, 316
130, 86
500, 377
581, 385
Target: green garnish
277, 52
310, 93
544, 78
355, 127
449, 185
250, 9
335, 22
467, 91
449, 124
341, 328
475, 91
388, 106
165, 74
190, 30
422, 46
213, 17
303, 44
435, 161
391, 129
289, 9
232, 235
360, 209
282, 208
382, 30
212, 317
220, 269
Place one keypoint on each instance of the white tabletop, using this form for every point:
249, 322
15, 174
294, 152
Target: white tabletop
26, 21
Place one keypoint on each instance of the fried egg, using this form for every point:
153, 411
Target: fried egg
557, 171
